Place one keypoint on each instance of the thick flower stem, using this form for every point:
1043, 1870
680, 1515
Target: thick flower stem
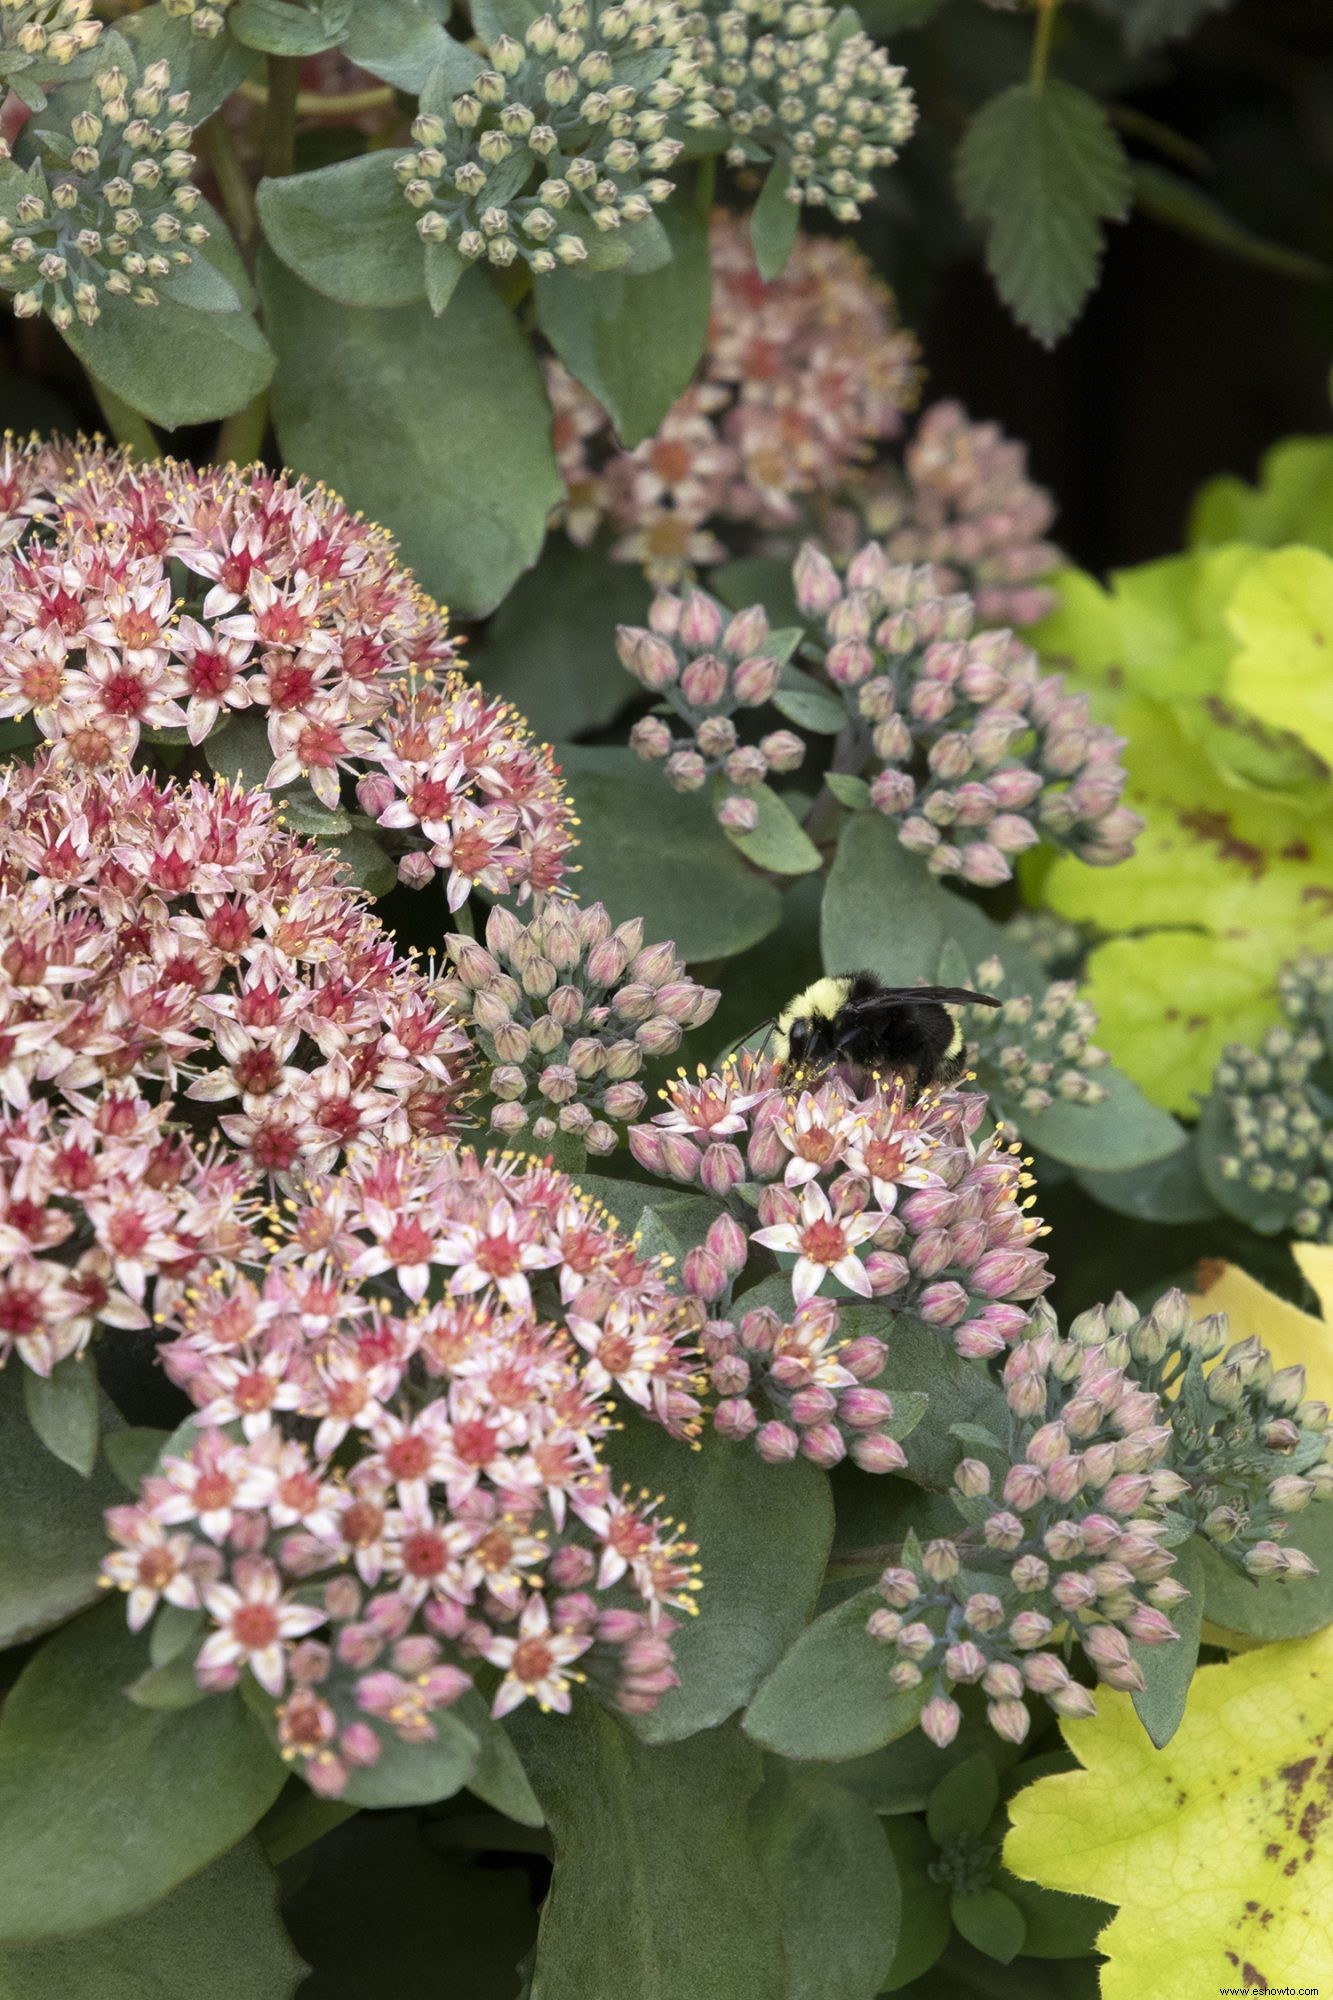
284, 76
126, 424
240, 441
219, 149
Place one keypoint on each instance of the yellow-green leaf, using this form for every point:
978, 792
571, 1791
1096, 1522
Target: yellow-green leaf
1212, 1848
1282, 614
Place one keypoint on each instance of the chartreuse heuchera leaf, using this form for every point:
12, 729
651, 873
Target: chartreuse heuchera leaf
1293, 1338
1282, 615
1215, 1849
1230, 876
1293, 501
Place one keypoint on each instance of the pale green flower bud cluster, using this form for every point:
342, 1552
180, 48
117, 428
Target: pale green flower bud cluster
44, 35
1248, 1447
1034, 1048
803, 85
206, 17
567, 1010
559, 143
1065, 1538
1278, 1105
107, 208
1059, 945
708, 666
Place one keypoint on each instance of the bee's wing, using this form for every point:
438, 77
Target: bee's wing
940, 995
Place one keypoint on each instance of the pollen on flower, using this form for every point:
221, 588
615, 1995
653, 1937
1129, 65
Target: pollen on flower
296, 614
424, 1489
165, 950
802, 376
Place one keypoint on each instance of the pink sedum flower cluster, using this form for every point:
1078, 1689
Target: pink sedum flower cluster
803, 375
568, 1009
963, 502
1071, 1539
884, 1198
399, 1478
165, 951
293, 611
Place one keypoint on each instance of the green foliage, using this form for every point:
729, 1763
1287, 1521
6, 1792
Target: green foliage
105, 1806
548, 647
634, 341
622, 1814
54, 1539
1204, 662
62, 1409
1169, 1669
774, 221
1293, 501
215, 1937
465, 478
220, 359
708, 901
346, 231
1042, 169
764, 1534
830, 1697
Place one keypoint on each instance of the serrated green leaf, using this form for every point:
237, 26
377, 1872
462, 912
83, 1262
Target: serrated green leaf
634, 341
106, 1806
216, 1937
988, 1920
347, 230
464, 476
830, 1697
774, 221
707, 902
1042, 169
62, 1409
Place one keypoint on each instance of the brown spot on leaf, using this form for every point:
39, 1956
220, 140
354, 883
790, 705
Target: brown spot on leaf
1253, 1977
1216, 827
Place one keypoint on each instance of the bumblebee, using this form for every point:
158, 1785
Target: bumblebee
861, 1029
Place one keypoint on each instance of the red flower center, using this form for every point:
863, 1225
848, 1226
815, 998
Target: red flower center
255, 1626
823, 1242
